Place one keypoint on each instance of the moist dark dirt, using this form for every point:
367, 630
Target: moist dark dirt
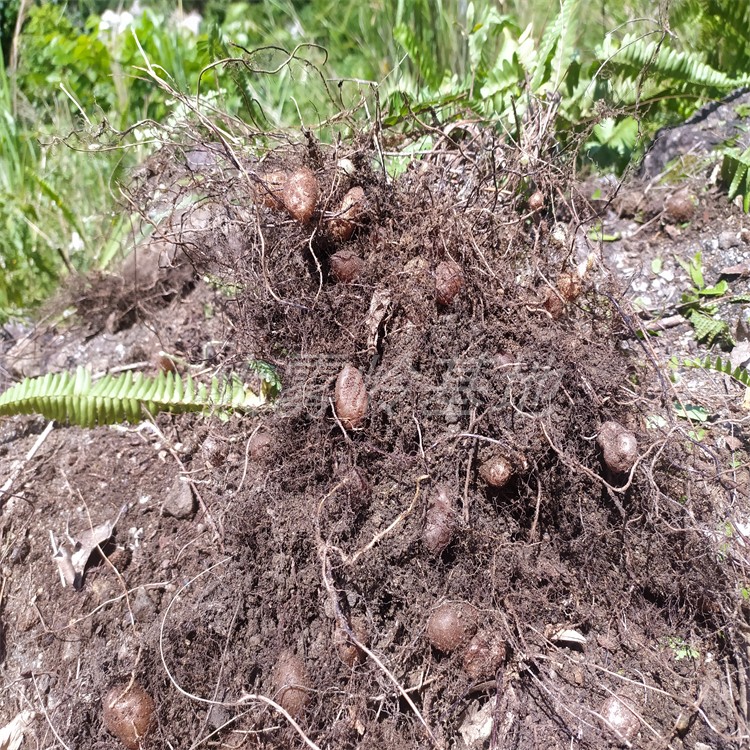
237, 543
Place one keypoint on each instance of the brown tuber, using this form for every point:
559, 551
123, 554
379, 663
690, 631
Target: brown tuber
680, 207
536, 201
300, 195
450, 626
350, 397
291, 683
129, 713
439, 523
619, 447
569, 286
496, 472
349, 213
349, 652
262, 446
449, 281
346, 266
484, 655
620, 719
270, 189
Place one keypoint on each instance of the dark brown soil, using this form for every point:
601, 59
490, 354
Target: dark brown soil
240, 543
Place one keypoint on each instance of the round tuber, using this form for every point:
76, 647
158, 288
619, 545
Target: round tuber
619, 447
449, 281
349, 652
271, 187
680, 207
346, 265
262, 446
291, 683
569, 286
536, 201
484, 655
350, 397
450, 626
496, 472
439, 523
349, 213
300, 195
129, 713
620, 719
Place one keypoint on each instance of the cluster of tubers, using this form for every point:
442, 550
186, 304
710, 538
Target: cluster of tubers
452, 626
298, 192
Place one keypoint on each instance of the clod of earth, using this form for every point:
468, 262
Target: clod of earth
351, 210
619, 718
619, 447
291, 683
484, 655
449, 281
440, 521
350, 397
450, 626
497, 471
129, 713
346, 265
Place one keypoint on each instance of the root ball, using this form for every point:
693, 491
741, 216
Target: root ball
450, 626
129, 713
350, 397
291, 683
619, 447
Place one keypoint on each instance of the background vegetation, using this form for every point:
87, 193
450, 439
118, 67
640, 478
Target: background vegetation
72, 88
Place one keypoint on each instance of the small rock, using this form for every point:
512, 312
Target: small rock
179, 502
728, 240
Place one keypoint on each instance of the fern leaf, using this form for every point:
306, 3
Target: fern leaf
73, 398
552, 40
709, 329
720, 365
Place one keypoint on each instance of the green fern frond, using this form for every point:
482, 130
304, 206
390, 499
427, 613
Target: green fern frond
76, 399
553, 42
720, 365
666, 64
709, 329
735, 174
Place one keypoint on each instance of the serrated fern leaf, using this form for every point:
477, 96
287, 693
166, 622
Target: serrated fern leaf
709, 329
735, 174
76, 399
666, 64
720, 365
553, 40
